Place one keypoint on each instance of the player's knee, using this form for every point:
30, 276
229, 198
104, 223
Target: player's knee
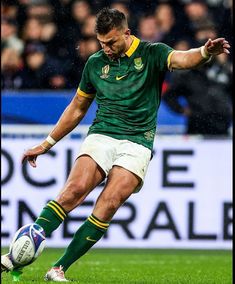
72, 194
76, 189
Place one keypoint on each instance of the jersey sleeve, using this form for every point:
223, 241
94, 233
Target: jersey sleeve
161, 54
85, 88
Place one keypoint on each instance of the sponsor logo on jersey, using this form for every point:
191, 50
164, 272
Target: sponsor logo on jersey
138, 63
105, 71
149, 135
120, 77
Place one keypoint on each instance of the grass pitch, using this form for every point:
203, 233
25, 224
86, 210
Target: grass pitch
137, 266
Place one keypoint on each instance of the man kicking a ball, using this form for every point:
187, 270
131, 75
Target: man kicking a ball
125, 78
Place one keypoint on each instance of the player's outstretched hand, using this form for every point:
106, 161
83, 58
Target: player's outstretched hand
32, 154
217, 46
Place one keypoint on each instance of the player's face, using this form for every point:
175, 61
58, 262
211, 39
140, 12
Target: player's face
114, 43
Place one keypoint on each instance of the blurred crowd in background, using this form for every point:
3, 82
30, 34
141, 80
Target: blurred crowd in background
45, 44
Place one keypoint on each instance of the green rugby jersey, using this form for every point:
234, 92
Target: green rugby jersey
127, 91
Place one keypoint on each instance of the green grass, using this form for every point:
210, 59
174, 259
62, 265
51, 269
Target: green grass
136, 266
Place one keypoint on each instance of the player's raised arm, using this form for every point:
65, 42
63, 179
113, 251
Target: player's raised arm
70, 118
196, 56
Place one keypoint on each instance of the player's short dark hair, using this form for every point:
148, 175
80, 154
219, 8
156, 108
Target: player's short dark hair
108, 19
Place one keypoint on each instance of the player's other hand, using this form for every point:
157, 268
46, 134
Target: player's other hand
31, 154
217, 46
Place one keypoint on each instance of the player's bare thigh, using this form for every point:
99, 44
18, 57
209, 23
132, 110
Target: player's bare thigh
121, 183
85, 175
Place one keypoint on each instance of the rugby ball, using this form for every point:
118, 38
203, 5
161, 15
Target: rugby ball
27, 244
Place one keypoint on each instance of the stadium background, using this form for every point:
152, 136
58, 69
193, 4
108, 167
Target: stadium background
186, 202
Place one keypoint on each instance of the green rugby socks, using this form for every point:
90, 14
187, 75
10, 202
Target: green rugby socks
51, 217
85, 237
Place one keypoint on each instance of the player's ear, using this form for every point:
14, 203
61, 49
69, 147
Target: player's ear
127, 33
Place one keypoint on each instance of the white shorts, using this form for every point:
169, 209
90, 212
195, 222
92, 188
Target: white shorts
108, 152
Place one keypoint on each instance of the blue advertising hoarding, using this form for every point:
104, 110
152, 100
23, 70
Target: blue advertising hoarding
45, 107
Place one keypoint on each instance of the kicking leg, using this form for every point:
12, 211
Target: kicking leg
84, 177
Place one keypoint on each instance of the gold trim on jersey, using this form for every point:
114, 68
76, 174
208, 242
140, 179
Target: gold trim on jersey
133, 46
169, 60
83, 94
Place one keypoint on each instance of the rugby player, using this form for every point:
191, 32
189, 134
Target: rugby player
125, 78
